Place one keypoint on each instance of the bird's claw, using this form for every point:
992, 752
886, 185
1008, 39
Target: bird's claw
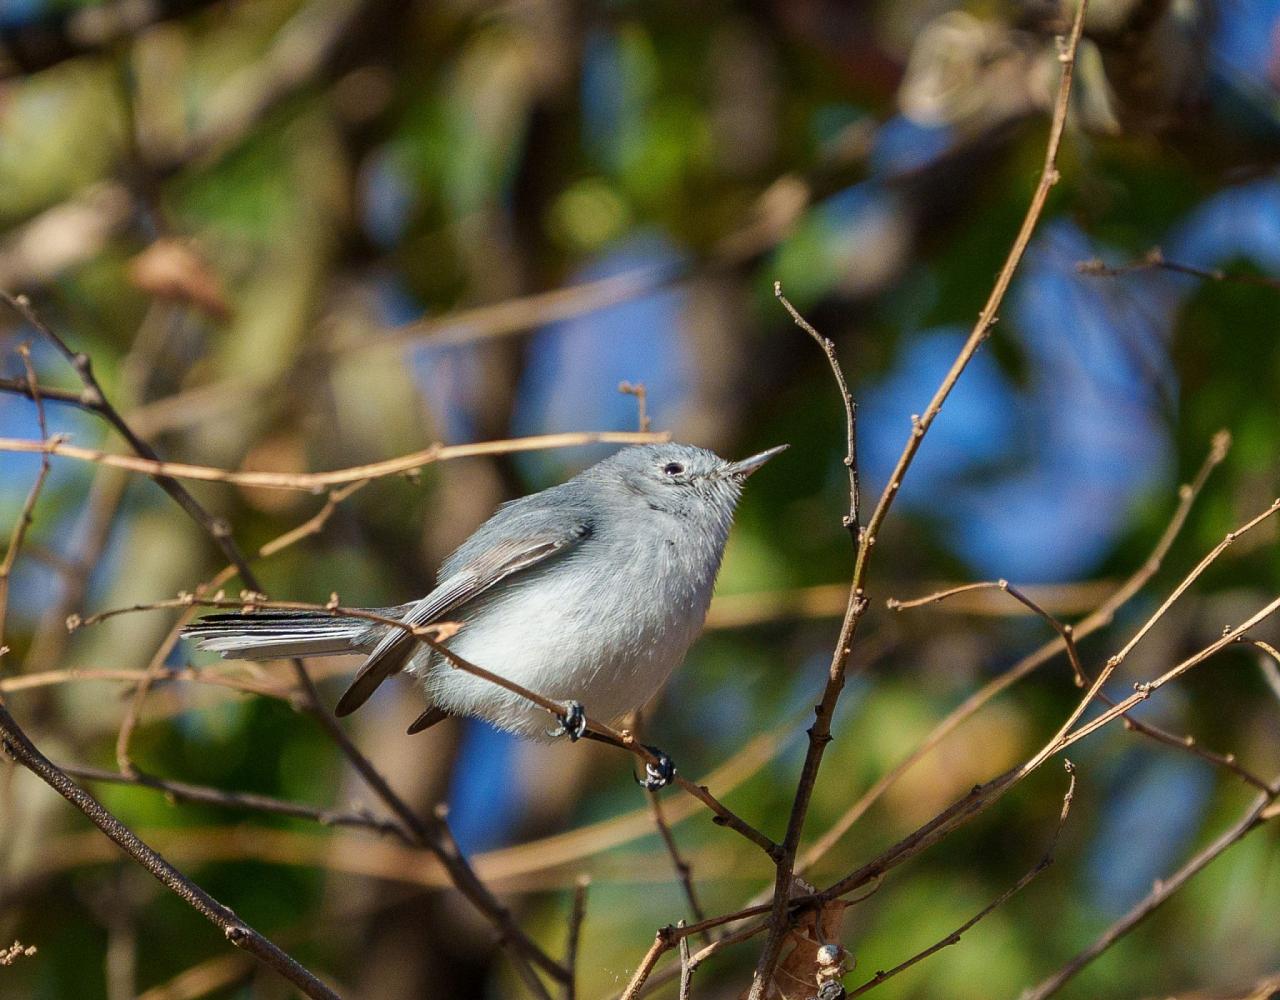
657, 775
573, 723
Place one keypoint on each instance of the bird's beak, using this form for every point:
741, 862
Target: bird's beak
741, 470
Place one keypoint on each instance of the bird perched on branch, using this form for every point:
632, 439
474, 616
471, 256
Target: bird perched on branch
588, 593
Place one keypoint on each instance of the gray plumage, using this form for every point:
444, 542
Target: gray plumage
591, 591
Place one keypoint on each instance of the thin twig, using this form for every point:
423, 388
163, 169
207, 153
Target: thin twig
433, 635
850, 520
573, 935
1154, 259
643, 984
607, 734
181, 791
683, 869
1099, 619
93, 399
26, 514
820, 732
638, 390
1004, 897
434, 836
20, 748
983, 796
686, 970
316, 482
1269, 664
1228, 540
1253, 817
1064, 631
1187, 743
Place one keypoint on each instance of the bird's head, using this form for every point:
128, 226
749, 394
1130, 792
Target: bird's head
681, 479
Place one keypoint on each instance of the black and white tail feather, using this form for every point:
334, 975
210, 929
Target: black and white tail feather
268, 635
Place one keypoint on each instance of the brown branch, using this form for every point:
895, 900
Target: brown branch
983, 796
1229, 539
1004, 897
643, 970
181, 791
434, 836
553, 851
820, 732
1269, 664
516, 315
850, 520
573, 935
20, 748
638, 390
440, 840
1154, 259
1004, 586
828, 600
644, 979
94, 400
434, 635
1144, 689
1099, 619
1253, 817
684, 871
1187, 743
686, 968
606, 734
26, 514
71, 675
315, 482
156, 667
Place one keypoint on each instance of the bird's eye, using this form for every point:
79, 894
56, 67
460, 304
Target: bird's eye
672, 469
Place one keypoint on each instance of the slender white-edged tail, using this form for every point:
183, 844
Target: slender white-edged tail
269, 635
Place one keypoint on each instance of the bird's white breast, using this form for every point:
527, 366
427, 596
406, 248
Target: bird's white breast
606, 632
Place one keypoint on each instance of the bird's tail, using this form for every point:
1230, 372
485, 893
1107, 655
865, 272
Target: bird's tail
269, 635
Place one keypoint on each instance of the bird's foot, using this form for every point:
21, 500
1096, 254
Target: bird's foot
573, 723
657, 775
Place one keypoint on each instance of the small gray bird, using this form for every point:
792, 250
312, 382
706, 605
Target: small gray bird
589, 593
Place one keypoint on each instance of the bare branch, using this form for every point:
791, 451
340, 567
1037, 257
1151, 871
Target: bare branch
181, 791
1099, 619
1253, 817
26, 514
686, 968
1187, 743
316, 482
1154, 259
434, 836
1269, 664
820, 732
638, 390
20, 748
1004, 897
683, 869
576, 915
434, 636
1191, 577
850, 409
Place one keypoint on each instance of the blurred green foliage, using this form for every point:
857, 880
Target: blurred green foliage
333, 171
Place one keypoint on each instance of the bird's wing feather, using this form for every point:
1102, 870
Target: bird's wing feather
536, 535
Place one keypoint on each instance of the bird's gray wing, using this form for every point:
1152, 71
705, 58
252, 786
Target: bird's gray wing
513, 540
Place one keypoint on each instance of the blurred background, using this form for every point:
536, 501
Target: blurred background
307, 234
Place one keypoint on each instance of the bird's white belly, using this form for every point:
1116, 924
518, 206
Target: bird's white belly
609, 647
